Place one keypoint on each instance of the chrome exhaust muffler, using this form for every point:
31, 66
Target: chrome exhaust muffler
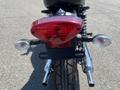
48, 70
88, 66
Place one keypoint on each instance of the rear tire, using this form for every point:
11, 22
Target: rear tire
66, 75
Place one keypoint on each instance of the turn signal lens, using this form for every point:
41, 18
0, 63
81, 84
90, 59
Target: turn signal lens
22, 45
102, 40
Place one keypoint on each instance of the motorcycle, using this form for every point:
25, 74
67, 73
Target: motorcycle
64, 32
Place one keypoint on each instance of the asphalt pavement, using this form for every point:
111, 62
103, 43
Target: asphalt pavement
19, 72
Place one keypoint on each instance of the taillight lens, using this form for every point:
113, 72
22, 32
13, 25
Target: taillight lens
57, 30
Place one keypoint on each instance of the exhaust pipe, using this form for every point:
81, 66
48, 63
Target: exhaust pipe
48, 70
88, 66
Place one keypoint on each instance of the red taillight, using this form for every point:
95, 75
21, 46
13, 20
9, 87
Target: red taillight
57, 30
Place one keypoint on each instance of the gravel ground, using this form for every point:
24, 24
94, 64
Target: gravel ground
25, 72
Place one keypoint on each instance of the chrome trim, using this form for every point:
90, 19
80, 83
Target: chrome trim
88, 65
47, 70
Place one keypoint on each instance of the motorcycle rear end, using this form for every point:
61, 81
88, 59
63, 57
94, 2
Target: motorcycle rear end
65, 35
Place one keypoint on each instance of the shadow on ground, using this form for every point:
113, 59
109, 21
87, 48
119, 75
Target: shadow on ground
35, 80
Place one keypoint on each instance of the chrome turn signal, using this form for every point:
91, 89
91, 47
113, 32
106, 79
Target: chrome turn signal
22, 45
101, 40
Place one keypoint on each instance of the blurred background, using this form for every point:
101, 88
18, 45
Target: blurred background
25, 72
